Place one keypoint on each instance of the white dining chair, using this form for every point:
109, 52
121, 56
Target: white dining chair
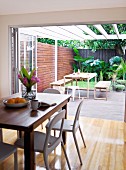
6, 150
72, 126
45, 143
53, 91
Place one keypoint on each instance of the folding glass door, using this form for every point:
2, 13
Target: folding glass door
23, 53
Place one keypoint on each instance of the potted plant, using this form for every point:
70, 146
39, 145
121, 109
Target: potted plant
28, 79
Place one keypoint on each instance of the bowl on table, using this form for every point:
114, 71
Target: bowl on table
16, 102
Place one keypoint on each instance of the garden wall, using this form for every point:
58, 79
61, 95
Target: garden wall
65, 61
100, 54
46, 64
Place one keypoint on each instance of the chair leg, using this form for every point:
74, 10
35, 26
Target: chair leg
79, 93
67, 90
62, 144
35, 158
46, 161
75, 140
19, 134
15, 161
82, 136
54, 133
42, 126
73, 94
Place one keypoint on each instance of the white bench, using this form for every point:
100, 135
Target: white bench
102, 85
61, 82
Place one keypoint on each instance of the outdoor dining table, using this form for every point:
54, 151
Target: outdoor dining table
82, 76
26, 120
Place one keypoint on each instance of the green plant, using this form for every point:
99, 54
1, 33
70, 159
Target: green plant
114, 64
115, 60
80, 61
97, 66
122, 68
123, 82
119, 87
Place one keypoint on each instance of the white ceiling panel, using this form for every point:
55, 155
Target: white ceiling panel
35, 6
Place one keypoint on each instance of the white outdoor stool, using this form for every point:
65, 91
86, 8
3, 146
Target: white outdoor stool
73, 88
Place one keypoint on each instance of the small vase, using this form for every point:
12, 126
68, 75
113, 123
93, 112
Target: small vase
28, 93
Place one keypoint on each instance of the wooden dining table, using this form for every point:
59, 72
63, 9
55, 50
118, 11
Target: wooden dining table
81, 76
26, 120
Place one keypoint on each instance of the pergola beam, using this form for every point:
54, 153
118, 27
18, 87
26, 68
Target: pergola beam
86, 29
63, 32
116, 30
74, 30
101, 30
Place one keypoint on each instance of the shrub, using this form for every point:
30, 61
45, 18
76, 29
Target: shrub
123, 82
119, 87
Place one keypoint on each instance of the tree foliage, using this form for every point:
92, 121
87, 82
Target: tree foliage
46, 41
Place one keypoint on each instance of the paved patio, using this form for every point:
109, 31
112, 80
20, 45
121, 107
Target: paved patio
112, 109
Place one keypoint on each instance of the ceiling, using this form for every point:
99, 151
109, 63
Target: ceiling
73, 32
34, 6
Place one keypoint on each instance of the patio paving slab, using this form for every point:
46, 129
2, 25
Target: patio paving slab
112, 109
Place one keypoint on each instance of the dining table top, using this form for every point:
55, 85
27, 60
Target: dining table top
25, 118
81, 75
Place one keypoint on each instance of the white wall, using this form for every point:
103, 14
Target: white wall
117, 15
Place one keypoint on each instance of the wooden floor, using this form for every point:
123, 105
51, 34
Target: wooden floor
106, 148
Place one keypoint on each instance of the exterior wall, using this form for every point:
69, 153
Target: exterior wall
46, 64
95, 16
65, 61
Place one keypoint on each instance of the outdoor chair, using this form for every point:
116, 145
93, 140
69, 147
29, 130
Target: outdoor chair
45, 143
72, 126
73, 88
6, 150
51, 90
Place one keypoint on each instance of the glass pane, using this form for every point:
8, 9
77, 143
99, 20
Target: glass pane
27, 52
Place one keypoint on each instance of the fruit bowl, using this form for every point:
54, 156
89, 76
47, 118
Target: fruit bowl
16, 105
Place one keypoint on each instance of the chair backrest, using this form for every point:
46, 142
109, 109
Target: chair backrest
58, 118
76, 120
51, 90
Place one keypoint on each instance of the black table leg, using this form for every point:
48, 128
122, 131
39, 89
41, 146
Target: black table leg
29, 150
1, 135
64, 133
